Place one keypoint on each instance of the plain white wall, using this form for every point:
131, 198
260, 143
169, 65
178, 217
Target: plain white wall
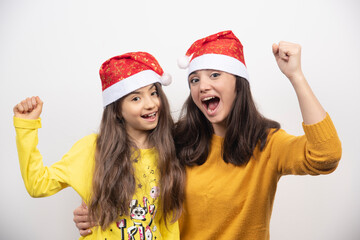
54, 49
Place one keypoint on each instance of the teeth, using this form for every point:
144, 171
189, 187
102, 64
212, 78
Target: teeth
208, 98
150, 115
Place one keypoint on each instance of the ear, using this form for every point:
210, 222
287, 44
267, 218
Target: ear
133, 203
145, 202
119, 116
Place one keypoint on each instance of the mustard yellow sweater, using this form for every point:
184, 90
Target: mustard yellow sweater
224, 201
75, 169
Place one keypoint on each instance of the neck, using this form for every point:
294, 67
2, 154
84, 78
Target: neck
219, 129
140, 138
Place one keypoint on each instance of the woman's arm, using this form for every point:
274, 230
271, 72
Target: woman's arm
288, 58
319, 151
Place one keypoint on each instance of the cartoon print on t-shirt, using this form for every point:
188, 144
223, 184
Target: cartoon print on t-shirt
142, 214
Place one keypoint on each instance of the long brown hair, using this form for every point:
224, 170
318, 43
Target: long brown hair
114, 182
246, 128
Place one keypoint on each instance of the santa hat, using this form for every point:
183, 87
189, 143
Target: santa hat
221, 51
121, 75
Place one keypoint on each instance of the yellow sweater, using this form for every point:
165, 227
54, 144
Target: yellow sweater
75, 169
224, 201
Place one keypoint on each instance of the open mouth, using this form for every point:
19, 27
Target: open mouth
149, 116
210, 103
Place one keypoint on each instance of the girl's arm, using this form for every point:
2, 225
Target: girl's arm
288, 58
321, 143
40, 181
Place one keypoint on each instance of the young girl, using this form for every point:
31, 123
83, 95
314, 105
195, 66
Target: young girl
128, 174
234, 155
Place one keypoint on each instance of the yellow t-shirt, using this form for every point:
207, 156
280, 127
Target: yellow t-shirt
76, 168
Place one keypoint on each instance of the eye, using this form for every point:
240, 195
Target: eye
155, 93
194, 80
135, 99
215, 75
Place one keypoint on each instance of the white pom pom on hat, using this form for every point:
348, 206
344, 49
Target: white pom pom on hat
183, 62
166, 79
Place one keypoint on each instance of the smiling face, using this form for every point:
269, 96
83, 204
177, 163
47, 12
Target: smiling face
140, 110
214, 93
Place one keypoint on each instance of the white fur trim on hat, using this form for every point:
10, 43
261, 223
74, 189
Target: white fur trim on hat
128, 85
219, 62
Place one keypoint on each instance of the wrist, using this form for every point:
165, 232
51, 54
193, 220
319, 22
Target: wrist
297, 79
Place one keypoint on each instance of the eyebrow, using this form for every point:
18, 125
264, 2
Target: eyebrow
135, 92
194, 72
153, 86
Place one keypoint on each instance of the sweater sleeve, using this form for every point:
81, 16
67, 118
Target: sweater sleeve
40, 180
316, 152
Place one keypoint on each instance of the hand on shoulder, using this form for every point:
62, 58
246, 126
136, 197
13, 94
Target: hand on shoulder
29, 108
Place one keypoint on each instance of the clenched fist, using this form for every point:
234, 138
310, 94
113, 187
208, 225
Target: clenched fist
29, 108
288, 58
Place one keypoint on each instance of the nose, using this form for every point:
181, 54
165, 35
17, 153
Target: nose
149, 103
204, 84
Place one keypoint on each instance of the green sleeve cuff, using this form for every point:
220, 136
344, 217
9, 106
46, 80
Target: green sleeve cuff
321, 131
27, 123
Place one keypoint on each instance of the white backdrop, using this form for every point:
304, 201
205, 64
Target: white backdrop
54, 49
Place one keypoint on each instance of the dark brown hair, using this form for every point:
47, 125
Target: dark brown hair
114, 182
246, 128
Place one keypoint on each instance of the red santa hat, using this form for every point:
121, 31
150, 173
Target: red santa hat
121, 75
221, 51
